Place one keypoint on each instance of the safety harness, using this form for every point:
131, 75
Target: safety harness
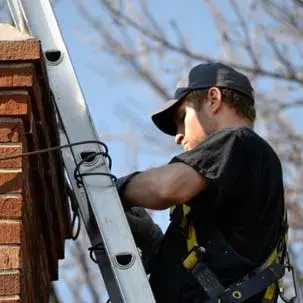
266, 278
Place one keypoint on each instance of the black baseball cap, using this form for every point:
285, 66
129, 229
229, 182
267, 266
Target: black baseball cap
202, 76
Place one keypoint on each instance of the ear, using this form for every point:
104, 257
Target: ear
214, 97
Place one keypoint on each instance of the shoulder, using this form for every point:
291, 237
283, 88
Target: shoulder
217, 146
256, 145
226, 136
220, 157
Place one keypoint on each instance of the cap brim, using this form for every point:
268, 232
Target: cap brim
163, 118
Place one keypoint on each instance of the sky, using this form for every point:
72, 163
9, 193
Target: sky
102, 94
100, 91
104, 86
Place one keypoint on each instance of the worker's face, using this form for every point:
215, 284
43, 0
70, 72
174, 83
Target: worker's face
194, 125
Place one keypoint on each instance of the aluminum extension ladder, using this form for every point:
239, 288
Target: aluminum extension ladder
97, 198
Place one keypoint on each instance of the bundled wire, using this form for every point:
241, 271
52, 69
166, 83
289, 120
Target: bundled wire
78, 176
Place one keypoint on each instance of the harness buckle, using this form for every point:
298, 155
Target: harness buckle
207, 279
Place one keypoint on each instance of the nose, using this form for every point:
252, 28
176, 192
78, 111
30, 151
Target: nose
179, 138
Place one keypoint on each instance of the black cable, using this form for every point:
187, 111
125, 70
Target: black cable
55, 148
73, 199
98, 246
75, 210
78, 176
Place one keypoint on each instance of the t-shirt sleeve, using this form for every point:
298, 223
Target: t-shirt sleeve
220, 159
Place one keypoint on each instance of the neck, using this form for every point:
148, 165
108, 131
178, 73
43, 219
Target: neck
234, 121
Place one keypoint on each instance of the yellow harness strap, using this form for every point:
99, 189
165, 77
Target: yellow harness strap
192, 259
191, 238
191, 232
274, 258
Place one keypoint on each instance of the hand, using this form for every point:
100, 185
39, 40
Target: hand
146, 233
122, 182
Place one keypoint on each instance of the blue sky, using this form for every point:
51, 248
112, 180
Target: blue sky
103, 89
102, 80
104, 86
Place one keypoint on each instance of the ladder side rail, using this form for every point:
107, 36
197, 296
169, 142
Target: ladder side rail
88, 217
106, 208
17, 15
92, 230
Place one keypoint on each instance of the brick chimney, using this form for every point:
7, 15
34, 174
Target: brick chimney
34, 215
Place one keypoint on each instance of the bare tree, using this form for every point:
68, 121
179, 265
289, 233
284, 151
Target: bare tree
269, 53
263, 38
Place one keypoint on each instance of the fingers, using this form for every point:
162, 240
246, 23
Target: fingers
132, 218
139, 212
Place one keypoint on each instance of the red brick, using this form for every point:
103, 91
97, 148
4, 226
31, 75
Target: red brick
41, 201
8, 134
11, 130
10, 232
11, 182
42, 138
14, 103
17, 75
40, 197
20, 50
10, 207
10, 257
9, 284
49, 194
27, 253
6, 151
10, 299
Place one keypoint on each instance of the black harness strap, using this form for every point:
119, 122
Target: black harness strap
241, 291
204, 275
252, 284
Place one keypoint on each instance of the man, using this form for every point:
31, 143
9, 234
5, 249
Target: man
229, 178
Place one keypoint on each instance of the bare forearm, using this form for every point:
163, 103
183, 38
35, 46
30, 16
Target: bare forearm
162, 187
145, 190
